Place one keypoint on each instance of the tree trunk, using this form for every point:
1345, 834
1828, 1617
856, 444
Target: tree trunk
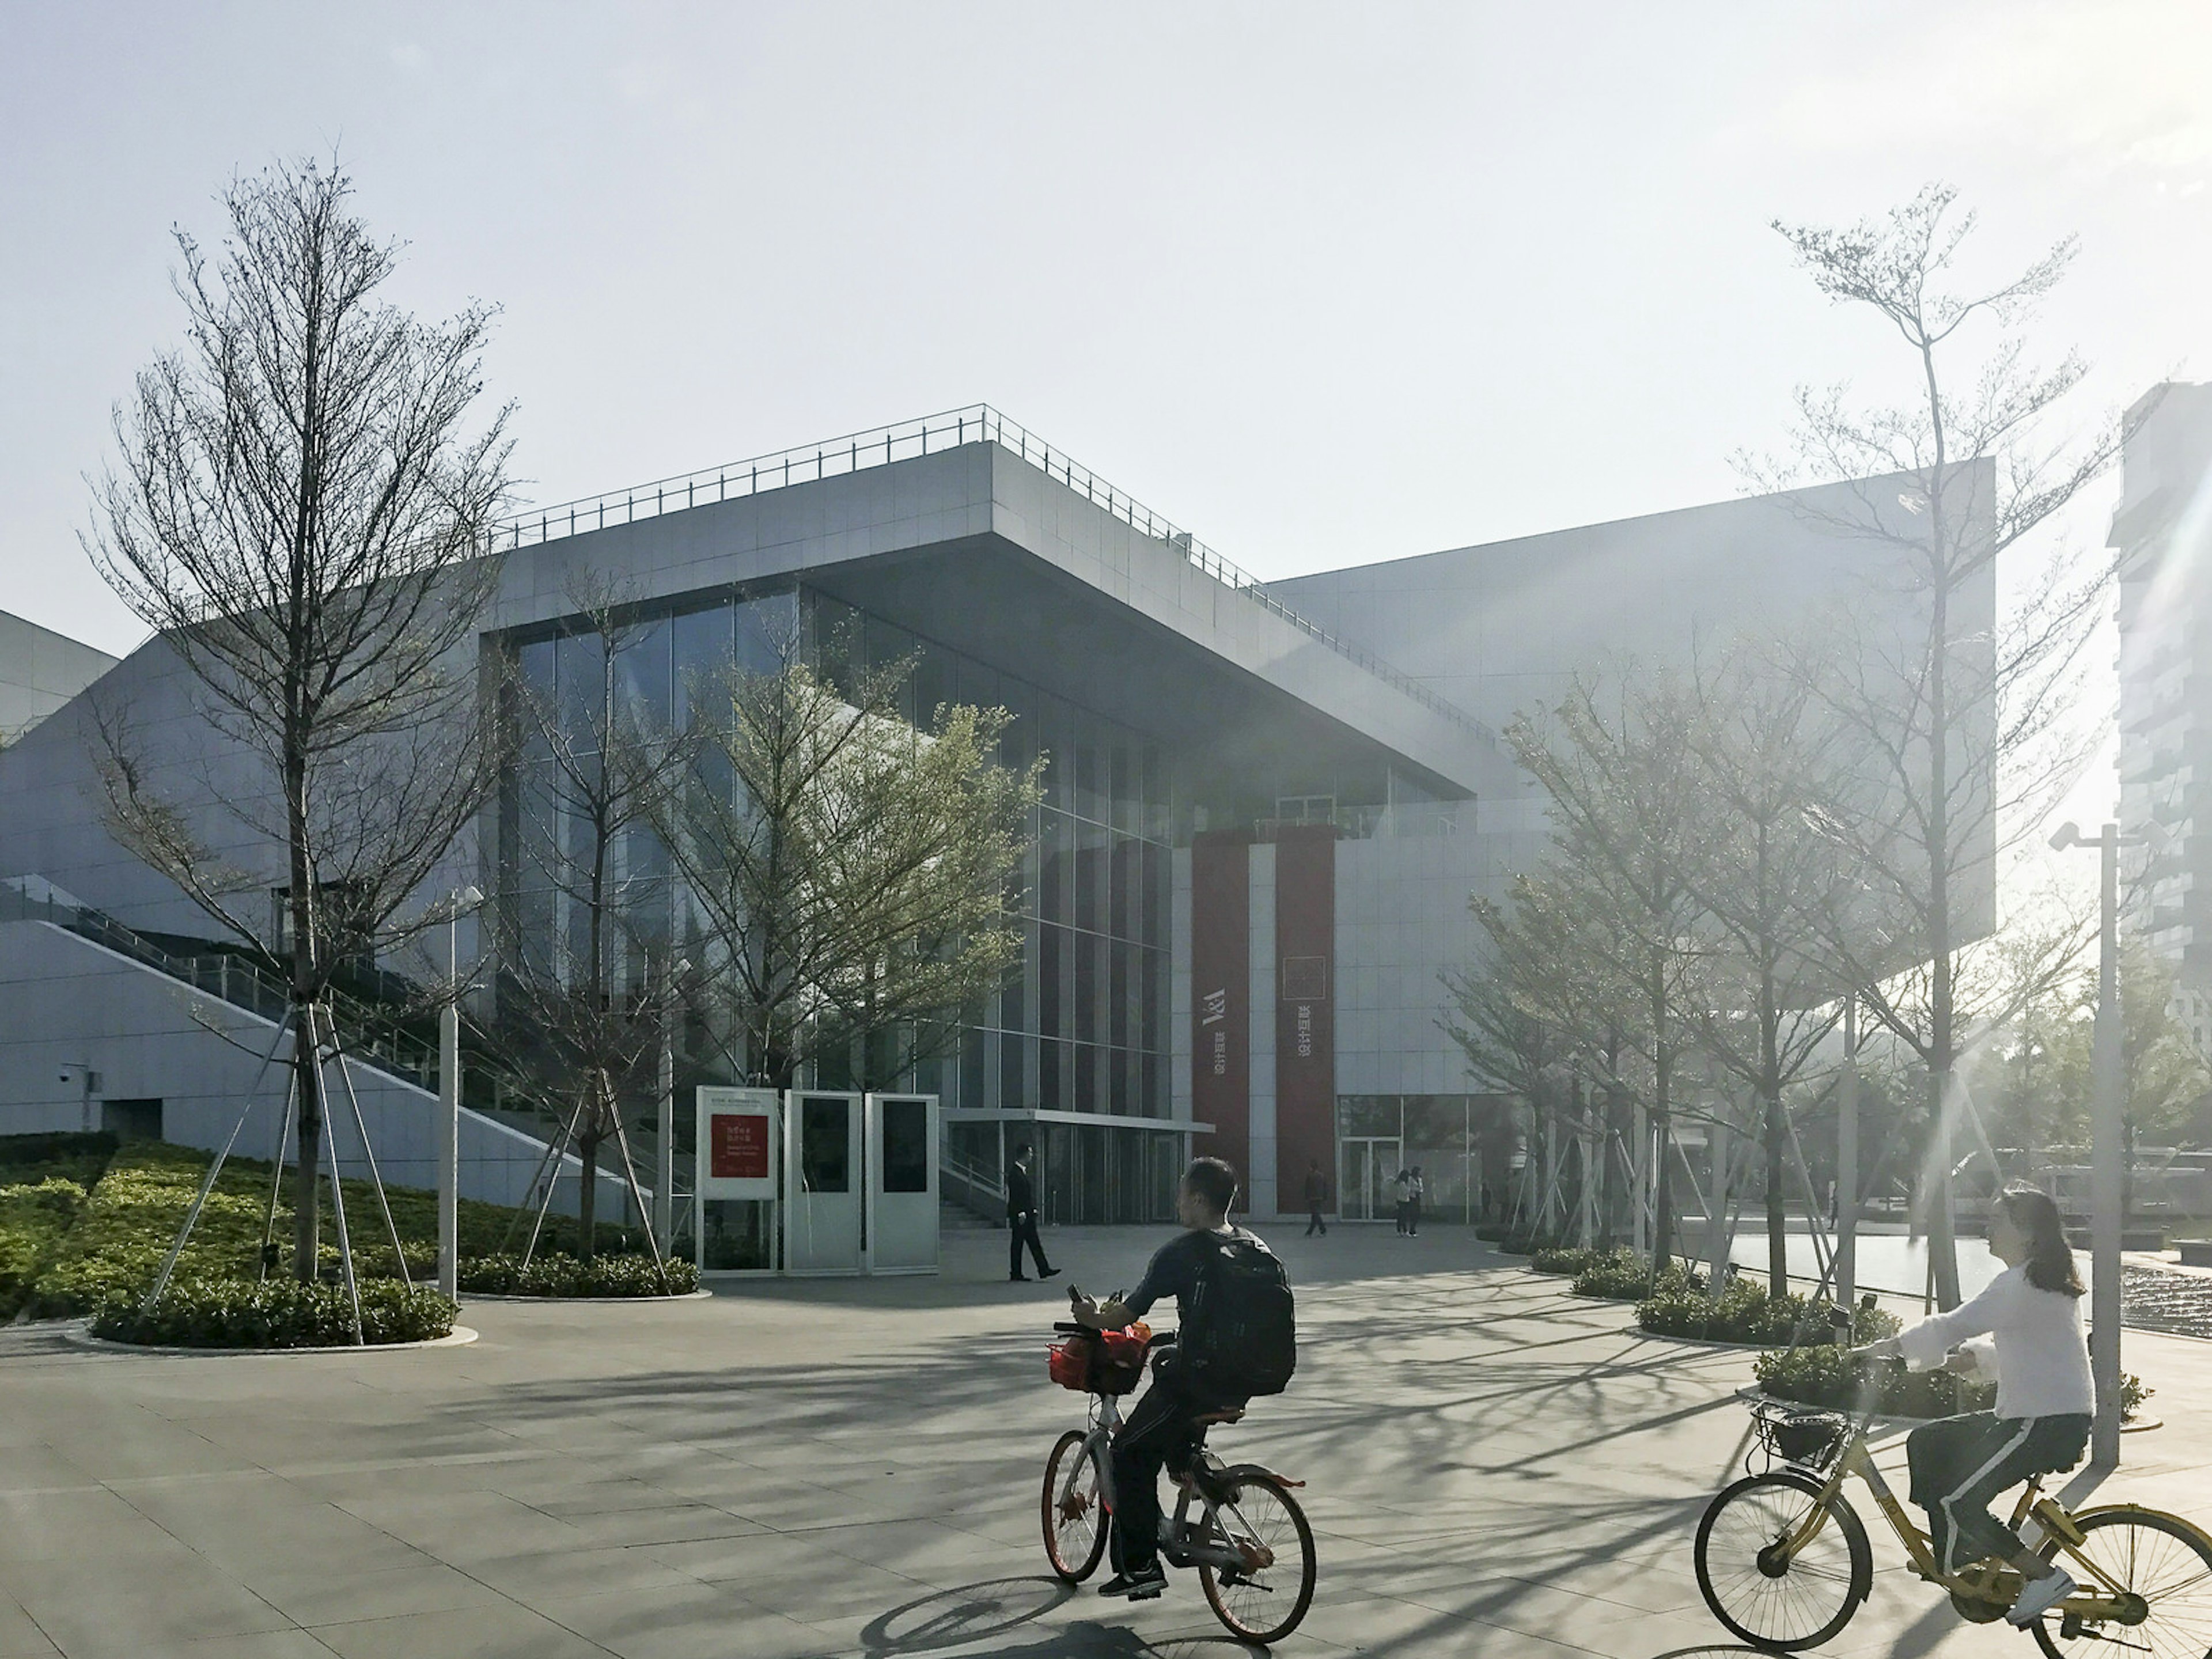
307, 1149
1777, 1220
587, 1193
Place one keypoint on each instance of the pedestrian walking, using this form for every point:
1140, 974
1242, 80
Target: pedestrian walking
1415, 1188
1316, 1198
1405, 1194
1022, 1220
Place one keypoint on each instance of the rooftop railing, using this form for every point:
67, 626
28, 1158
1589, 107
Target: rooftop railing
858, 451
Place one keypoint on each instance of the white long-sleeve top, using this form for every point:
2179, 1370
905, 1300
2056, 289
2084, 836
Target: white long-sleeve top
2032, 1336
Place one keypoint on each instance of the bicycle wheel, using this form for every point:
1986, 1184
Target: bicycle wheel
1771, 1603
1074, 1519
1264, 1601
2163, 1566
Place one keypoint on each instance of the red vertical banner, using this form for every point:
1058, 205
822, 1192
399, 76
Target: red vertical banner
1305, 1007
1221, 995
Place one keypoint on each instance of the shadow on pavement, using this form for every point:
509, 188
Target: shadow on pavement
970, 1614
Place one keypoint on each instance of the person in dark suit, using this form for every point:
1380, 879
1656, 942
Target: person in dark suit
1316, 1197
1021, 1219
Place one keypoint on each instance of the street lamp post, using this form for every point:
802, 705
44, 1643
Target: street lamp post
2107, 1156
457, 904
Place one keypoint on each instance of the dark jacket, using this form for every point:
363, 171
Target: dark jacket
1317, 1189
1021, 1191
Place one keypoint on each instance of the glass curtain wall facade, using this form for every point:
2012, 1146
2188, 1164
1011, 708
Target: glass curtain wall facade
1080, 1026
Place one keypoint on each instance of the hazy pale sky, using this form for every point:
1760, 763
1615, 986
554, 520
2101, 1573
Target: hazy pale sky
1326, 284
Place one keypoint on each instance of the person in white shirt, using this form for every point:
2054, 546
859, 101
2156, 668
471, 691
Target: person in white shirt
2026, 1329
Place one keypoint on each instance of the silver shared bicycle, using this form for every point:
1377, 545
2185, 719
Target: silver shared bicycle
1237, 1523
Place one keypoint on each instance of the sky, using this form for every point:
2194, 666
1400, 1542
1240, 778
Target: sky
1326, 284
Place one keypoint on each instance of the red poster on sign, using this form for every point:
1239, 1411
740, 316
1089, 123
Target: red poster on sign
737, 1145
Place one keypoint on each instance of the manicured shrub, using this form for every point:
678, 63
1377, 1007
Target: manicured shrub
1492, 1232
1626, 1276
1825, 1375
34, 1217
1566, 1259
564, 1275
117, 1246
229, 1313
1745, 1312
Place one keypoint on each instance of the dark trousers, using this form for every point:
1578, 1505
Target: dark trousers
1405, 1213
1160, 1431
1315, 1225
1020, 1229
1959, 1464
1412, 1215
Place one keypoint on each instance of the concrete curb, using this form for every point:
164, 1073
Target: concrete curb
460, 1337
702, 1294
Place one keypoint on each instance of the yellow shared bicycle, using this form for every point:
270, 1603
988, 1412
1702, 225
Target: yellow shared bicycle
1783, 1558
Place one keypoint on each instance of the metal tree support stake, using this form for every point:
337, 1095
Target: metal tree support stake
207, 1184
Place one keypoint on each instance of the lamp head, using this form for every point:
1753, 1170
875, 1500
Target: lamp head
2069, 834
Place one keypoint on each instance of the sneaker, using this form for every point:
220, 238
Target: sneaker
2039, 1597
1142, 1585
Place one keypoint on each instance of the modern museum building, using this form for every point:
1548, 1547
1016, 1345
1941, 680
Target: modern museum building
1266, 806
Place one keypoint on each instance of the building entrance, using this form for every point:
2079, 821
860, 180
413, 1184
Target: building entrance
1365, 1167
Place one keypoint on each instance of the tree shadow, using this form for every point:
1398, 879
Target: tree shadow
996, 1610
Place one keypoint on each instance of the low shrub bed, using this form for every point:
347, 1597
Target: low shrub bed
1624, 1276
564, 1275
55, 1156
1492, 1232
1745, 1312
116, 1245
229, 1313
1566, 1259
34, 1215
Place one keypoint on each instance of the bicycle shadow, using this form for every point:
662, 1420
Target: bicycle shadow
999, 1611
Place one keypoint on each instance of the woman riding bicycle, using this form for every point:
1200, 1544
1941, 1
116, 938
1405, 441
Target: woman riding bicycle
2027, 1328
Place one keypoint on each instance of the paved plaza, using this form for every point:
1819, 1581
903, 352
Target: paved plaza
853, 1467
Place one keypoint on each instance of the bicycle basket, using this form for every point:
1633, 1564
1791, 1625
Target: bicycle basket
1101, 1362
1808, 1438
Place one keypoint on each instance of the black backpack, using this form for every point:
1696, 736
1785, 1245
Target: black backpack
1240, 1334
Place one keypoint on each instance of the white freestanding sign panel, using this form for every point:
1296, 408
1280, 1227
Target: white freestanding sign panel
903, 1211
825, 1182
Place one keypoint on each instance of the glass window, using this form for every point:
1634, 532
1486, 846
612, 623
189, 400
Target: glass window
700, 652
839, 643
1085, 949
1090, 875
641, 683
1049, 1004
906, 1146
767, 631
582, 667
1056, 840
1015, 1089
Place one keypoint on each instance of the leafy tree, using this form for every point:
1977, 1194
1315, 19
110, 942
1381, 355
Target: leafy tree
847, 872
300, 509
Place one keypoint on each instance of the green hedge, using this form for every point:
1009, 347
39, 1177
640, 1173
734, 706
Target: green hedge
228, 1313
564, 1275
1493, 1232
1624, 1276
34, 1217
1572, 1260
1745, 1312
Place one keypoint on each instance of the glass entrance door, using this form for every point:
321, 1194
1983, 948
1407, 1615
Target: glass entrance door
1365, 1167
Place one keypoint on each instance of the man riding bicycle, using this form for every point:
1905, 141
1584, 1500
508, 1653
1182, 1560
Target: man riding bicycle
1235, 1340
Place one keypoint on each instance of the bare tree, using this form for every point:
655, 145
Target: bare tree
1764, 878
300, 509
590, 978
1621, 784
848, 872
1962, 711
